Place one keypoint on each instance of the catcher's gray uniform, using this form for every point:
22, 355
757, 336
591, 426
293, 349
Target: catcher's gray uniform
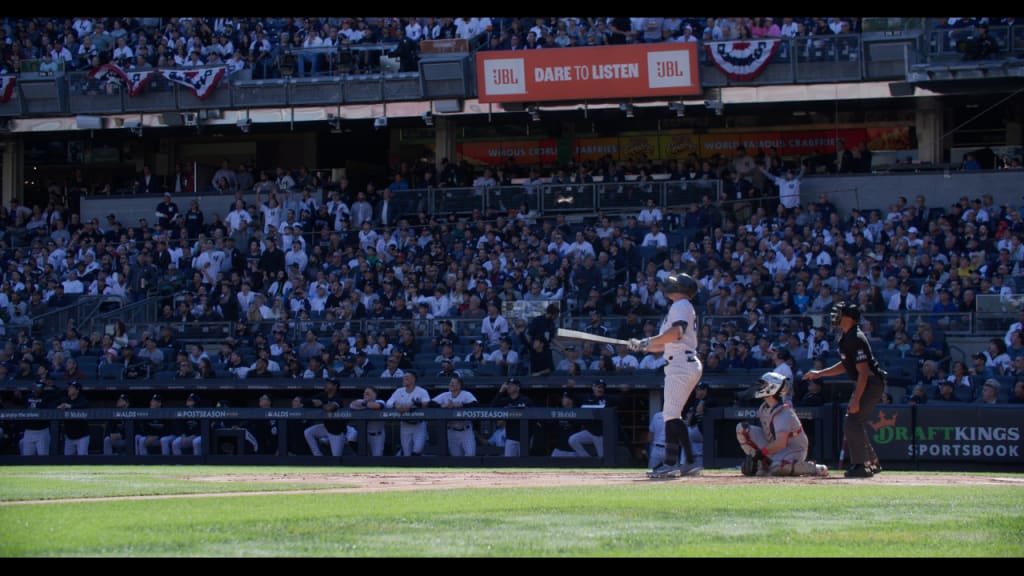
778, 422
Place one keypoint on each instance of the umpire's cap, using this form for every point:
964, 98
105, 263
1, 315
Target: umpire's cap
681, 283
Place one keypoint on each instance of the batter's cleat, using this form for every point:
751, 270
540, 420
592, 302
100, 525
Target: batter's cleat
691, 469
666, 471
859, 471
821, 470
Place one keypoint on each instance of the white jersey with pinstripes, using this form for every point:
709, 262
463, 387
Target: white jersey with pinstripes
681, 314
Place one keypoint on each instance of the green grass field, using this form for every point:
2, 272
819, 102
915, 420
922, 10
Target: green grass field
690, 517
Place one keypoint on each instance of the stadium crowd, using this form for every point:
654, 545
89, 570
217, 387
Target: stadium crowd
274, 47
297, 261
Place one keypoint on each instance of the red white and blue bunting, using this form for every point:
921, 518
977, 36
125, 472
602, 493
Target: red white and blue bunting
133, 80
742, 60
7, 87
200, 80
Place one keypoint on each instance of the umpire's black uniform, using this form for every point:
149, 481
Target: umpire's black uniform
854, 349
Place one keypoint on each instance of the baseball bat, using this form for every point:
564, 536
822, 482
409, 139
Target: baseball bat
578, 335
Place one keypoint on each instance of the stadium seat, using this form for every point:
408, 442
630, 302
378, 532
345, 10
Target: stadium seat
112, 372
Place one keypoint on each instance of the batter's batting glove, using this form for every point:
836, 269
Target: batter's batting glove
638, 345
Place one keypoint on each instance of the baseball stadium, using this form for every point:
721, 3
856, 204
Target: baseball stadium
511, 287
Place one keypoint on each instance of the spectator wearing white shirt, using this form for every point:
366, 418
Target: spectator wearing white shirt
414, 30
903, 300
623, 360
581, 248
123, 54
653, 361
392, 371
493, 327
655, 238
73, 285
505, 357
296, 256
650, 214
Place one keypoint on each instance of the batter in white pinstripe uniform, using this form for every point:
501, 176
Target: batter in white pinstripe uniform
677, 338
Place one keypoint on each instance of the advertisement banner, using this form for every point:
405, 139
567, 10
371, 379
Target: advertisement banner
888, 138
595, 148
525, 152
948, 433
678, 145
969, 434
589, 73
638, 147
890, 432
805, 142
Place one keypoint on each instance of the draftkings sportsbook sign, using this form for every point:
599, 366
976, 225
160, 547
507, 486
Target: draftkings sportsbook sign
948, 433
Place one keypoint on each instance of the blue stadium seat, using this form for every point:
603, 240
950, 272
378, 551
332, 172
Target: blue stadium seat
112, 372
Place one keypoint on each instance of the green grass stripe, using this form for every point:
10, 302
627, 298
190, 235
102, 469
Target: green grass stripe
683, 518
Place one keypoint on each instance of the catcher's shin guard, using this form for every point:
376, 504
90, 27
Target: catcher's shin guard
808, 469
749, 466
677, 435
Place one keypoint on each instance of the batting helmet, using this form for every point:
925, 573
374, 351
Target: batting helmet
682, 283
770, 384
841, 309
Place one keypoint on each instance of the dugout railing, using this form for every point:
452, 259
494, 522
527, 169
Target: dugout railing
229, 424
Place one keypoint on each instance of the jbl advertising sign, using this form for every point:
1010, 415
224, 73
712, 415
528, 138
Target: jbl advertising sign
592, 73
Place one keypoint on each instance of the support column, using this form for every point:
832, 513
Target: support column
12, 184
445, 129
930, 123
1014, 125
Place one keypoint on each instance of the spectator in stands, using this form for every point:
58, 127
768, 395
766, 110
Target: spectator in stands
1018, 391
989, 392
961, 382
945, 392
996, 357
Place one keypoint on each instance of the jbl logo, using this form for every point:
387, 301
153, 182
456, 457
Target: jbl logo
503, 77
669, 69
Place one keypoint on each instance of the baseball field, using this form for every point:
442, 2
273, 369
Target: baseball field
175, 511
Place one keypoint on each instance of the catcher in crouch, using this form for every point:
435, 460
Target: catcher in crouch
779, 445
